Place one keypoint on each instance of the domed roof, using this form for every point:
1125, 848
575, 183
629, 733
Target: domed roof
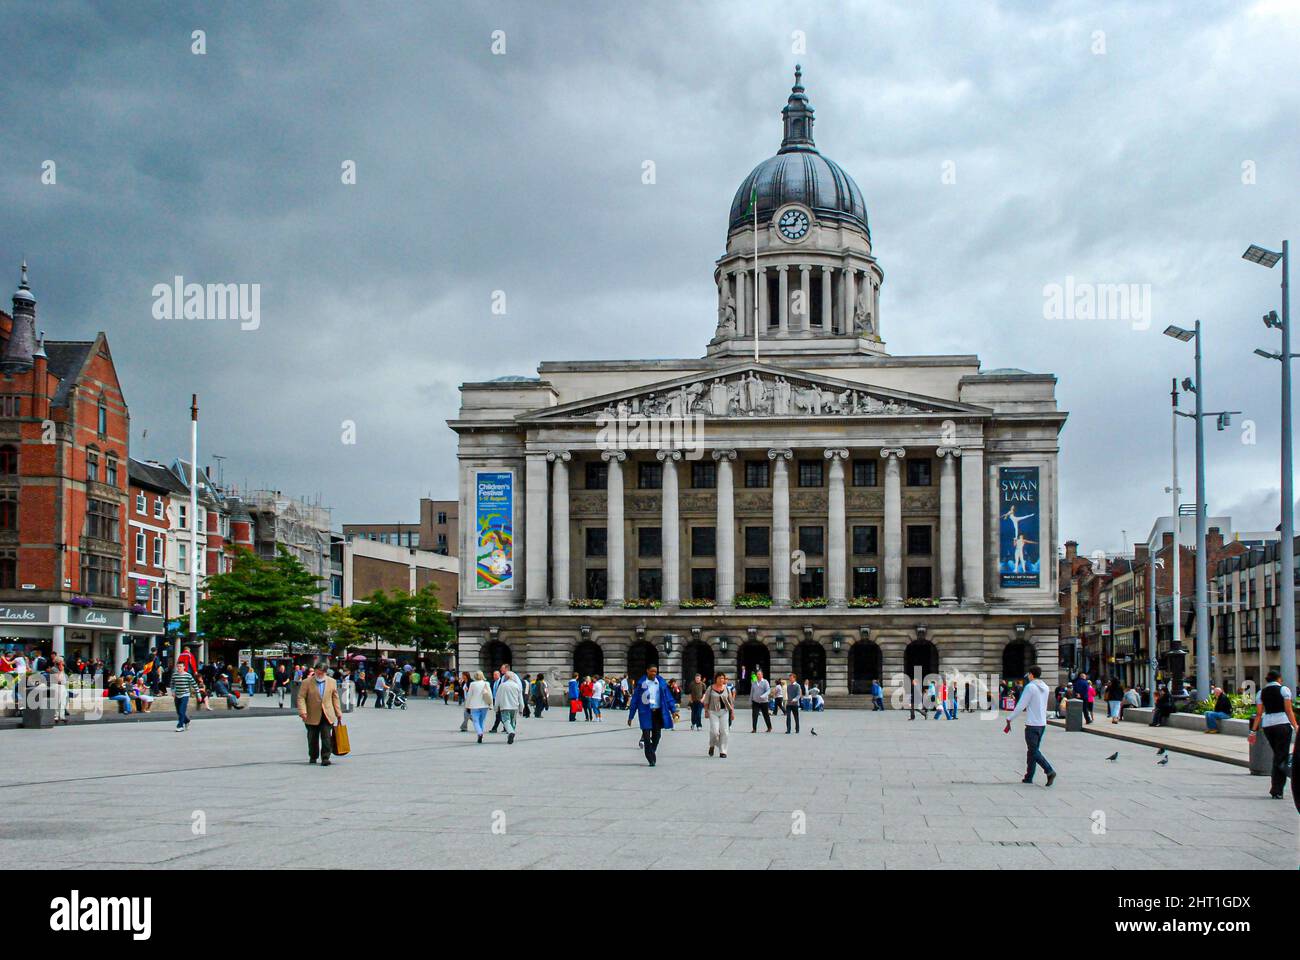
800, 174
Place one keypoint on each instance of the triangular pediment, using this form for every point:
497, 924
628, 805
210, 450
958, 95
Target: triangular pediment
748, 390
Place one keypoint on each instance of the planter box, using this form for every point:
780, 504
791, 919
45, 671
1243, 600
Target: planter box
1188, 721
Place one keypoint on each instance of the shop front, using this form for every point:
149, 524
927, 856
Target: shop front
74, 631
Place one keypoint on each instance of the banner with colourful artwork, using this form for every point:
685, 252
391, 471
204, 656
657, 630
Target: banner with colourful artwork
494, 505
1019, 563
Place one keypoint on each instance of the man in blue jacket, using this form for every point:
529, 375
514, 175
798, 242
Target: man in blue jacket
653, 706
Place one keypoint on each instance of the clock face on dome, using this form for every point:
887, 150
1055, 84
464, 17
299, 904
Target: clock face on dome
793, 224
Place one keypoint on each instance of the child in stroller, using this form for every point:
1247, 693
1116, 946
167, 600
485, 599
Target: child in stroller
396, 699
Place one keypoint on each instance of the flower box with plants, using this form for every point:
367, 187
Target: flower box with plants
138, 608
82, 602
920, 602
809, 603
862, 602
1243, 707
693, 604
582, 603
637, 604
749, 601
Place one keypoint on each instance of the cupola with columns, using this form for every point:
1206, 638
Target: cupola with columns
798, 263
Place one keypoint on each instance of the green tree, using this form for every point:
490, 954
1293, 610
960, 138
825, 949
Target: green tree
431, 629
264, 602
344, 629
405, 619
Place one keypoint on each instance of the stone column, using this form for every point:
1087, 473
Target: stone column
972, 526
743, 319
764, 308
614, 564
670, 528
560, 527
725, 540
536, 528
780, 526
948, 523
850, 298
828, 318
783, 296
805, 292
836, 550
893, 532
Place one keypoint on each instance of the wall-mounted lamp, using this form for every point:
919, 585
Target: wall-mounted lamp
836, 643
780, 644
722, 644
585, 630
1020, 630
695, 633
752, 633
668, 643
864, 632
920, 633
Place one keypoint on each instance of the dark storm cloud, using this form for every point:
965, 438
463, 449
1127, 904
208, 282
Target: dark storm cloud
522, 173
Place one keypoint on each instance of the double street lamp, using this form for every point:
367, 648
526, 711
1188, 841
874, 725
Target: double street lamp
1286, 574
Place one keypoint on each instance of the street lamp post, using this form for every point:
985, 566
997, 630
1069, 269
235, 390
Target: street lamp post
1286, 589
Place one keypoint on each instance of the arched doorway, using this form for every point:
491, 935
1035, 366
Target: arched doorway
1017, 657
697, 657
808, 663
866, 663
640, 657
921, 657
492, 655
588, 659
751, 656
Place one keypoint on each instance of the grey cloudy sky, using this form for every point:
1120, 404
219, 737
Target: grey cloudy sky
522, 173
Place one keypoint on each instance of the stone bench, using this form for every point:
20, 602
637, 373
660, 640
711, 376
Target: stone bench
1187, 721
161, 704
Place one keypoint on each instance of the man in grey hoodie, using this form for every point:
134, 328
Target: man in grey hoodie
759, 693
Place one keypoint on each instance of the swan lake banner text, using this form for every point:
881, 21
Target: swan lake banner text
1019, 558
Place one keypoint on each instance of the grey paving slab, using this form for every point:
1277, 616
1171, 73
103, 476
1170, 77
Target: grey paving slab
869, 792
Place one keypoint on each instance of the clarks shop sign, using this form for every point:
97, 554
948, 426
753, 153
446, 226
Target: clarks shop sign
91, 617
24, 614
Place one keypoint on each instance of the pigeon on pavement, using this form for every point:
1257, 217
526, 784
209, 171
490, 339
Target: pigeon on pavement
1162, 761
813, 731
1114, 756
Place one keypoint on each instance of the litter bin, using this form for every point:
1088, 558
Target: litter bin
348, 695
1074, 716
37, 712
1261, 757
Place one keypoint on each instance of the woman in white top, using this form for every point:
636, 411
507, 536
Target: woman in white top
478, 701
1273, 715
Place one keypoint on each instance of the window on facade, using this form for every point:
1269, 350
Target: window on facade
92, 465
758, 580
864, 540
110, 471
812, 583
8, 570
919, 583
158, 551
596, 540
649, 542
8, 510
866, 582
704, 475
155, 600
183, 516
704, 583
918, 473
597, 475
918, 540
141, 503
757, 473
103, 419
182, 558
704, 541
756, 542
158, 508
810, 473
597, 585
8, 460
180, 601
812, 541
442, 517
650, 584
140, 548
101, 519
864, 473
11, 406
100, 575
649, 476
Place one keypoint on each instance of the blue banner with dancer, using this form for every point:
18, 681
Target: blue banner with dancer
1019, 563
494, 505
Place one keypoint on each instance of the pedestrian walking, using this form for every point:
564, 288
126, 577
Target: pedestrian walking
792, 692
698, 687
654, 707
1274, 716
539, 695
184, 686
1033, 704
1114, 699
718, 705
478, 701
509, 700
1083, 690
759, 692
318, 706
877, 696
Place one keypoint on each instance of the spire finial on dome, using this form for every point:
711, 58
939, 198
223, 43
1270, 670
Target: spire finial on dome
22, 282
798, 77
798, 117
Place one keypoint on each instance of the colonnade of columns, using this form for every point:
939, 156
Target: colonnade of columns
841, 289
549, 472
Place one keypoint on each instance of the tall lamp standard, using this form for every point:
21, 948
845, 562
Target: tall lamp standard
1224, 418
1286, 589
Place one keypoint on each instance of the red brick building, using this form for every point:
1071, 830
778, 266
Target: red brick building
64, 428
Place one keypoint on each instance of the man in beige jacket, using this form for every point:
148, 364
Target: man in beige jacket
318, 705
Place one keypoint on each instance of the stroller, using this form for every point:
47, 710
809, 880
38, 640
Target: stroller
396, 699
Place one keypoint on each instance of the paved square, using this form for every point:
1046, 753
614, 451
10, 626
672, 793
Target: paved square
874, 790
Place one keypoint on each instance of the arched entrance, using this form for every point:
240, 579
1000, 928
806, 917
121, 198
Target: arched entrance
640, 657
866, 663
697, 657
588, 659
1017, 657
491, 655
808, 663
751, 656
921, 657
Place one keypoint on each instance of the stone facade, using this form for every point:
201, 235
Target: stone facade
822, 507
